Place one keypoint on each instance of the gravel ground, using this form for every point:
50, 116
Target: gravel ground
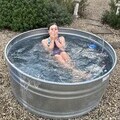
109, 106
96, 8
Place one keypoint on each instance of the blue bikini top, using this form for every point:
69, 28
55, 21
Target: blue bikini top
54, 43
48, 41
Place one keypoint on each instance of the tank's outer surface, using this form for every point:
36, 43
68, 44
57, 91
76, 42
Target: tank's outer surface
57, 100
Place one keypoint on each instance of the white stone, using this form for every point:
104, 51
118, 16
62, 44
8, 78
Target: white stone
118, 8
76, 8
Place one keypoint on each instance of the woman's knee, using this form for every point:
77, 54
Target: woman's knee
59, 58
65, 56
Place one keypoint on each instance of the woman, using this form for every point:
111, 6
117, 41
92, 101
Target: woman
56, 46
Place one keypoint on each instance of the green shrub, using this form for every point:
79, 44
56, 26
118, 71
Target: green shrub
70, 4
30, 14
82, 7
110, 17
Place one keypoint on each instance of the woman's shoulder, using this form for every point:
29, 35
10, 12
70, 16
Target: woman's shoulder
44, 40
61, 38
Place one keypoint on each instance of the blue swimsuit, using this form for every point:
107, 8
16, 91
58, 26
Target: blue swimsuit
55, 50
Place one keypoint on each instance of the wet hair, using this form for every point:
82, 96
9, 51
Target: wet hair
51, 25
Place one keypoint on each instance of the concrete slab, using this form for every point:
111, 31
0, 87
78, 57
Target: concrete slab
93, 22
101, 30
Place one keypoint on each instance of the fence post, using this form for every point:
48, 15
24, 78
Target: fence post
118, 8
76, 8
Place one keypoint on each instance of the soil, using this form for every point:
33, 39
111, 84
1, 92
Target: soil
109, 106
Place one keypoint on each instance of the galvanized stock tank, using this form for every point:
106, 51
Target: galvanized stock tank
52, 99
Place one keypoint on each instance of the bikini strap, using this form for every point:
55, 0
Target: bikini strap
48, 41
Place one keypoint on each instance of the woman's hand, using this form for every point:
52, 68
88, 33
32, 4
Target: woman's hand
54, 36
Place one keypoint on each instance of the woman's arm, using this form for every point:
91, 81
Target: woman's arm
46, 46
60, 43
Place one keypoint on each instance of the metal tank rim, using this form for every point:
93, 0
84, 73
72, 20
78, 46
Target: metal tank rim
57, 83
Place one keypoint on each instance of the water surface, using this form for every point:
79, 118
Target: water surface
29, 56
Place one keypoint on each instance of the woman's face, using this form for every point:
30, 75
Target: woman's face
53, 31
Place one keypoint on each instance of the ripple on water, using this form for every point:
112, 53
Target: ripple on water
29, 56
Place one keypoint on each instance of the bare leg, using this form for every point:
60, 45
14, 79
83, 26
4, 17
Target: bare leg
62, 61
65, 56
67, 59
77, 74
